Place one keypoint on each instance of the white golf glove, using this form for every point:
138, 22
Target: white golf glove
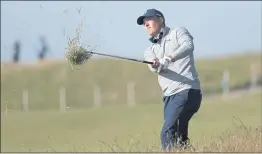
165, 62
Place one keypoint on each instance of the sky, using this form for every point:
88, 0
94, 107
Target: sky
219, 27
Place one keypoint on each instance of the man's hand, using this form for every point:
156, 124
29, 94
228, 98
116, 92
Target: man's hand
155, 63
166, 61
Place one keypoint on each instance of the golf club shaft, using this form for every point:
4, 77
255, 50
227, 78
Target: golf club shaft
114, 56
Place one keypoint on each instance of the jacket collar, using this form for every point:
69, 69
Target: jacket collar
164, 31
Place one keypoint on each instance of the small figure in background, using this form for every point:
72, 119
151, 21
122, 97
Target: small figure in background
44, 49
17, 50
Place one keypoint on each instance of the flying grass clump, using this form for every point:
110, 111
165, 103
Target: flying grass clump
76, 54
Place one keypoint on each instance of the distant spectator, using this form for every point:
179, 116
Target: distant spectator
44, 49
17, 50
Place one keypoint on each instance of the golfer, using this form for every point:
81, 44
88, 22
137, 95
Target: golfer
171, 51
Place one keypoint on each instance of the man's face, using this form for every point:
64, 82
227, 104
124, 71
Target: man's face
152, 25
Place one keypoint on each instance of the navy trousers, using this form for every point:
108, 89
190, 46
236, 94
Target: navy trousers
178, 110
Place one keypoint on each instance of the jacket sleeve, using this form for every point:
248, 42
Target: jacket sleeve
150, 56
184, 40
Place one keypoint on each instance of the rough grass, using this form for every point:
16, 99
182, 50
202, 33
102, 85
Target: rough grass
243, 139
232, 125
111, 76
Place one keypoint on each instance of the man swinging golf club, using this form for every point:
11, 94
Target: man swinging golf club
173, 60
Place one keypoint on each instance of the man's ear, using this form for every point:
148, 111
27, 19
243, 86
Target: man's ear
162, 20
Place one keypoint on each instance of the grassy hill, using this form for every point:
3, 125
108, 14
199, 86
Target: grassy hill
111, 75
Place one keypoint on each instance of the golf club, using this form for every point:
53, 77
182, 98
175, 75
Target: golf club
114, 56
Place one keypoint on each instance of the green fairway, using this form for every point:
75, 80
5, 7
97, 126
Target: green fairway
132, 128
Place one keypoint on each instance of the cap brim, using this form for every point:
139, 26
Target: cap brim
140, 20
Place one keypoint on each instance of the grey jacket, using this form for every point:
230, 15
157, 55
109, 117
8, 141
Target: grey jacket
181, 74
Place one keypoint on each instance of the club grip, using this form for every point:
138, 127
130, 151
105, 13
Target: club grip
148, 62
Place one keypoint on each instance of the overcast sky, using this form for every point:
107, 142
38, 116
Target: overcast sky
219, 27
